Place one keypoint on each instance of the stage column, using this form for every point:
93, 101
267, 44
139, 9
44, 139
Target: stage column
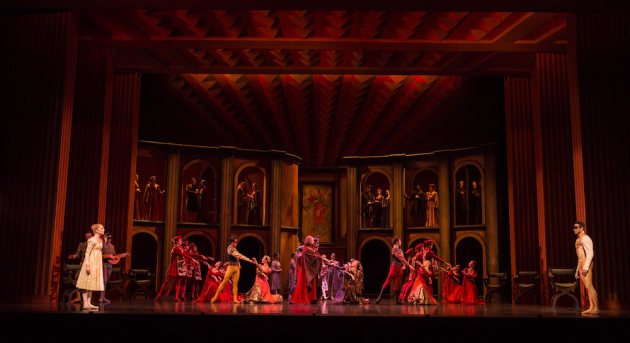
170, 213
599, 51
122, 160
353, 194
38, 57
397, 201
227, 196
444, 213
276, 206
492, 233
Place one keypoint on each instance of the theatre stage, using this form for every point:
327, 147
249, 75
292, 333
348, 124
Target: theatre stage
131, 320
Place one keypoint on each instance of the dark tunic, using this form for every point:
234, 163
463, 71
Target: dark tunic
417, 197
367, 210
192, 204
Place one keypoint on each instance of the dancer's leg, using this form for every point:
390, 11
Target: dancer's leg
235, 278
226, 278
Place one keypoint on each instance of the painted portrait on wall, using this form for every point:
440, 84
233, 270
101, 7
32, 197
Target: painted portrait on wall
317, 211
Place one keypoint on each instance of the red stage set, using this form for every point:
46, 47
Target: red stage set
488, 128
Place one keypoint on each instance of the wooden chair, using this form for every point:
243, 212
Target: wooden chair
142, 279
491, 288
561, 289
69, 282
526, 283
117, 283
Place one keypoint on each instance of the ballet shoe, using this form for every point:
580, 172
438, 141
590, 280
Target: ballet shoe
236, 302
213, 300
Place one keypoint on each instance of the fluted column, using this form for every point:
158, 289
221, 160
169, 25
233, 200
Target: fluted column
353, 214
227, 194
172, 199
38, 57
397, 214
276, 206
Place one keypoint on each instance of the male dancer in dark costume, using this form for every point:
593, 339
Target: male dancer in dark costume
395, 270
233, 271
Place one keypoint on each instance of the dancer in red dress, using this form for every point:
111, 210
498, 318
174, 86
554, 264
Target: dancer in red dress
452, 288
422, 289
213, 279
469, 293
395, 271
411, 277
311, 263
177, 270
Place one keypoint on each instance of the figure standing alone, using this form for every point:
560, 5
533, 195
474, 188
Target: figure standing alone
584, 271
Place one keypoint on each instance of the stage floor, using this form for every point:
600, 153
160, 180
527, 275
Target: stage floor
326, 308
140, 319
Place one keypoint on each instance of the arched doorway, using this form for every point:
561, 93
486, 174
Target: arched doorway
204, 247
375, 258
144, 254
468, 249
249, 246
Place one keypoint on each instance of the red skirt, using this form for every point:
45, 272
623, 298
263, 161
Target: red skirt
302, 295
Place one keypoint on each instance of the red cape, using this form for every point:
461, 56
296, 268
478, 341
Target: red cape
302, 293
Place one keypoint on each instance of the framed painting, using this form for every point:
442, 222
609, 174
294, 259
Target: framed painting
316, 211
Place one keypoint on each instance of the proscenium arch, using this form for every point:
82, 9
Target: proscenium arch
237, 173
481, 241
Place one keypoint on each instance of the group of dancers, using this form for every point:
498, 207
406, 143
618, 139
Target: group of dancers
343, 282
422, 267
340, 283
221, 282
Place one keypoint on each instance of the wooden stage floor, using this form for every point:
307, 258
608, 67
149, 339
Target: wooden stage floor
322, 322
